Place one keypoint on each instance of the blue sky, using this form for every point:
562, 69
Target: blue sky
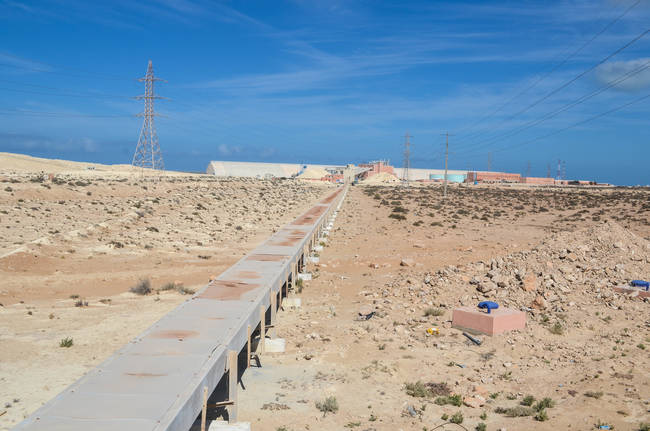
333, 82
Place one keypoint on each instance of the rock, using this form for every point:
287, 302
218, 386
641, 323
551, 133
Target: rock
407, 262
539, 303
486, 286
474, 401
373, 266
530, 283
411, 411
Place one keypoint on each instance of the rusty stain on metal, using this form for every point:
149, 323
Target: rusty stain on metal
267, 257
144, 374
227, 290
248, 274
180, 334
310, 215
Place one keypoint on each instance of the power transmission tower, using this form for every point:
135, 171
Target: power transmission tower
446, 135
147, 152
407, 155
489, 162
559, 169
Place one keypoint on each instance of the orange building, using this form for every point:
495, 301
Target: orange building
538, 181
492, 177
377, 167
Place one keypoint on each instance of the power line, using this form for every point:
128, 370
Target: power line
569, 82
564, 108
88, 96
579, 123
557, 66
84, 73
57, 114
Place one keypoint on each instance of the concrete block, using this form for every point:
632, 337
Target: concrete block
274, 345
225, 426
314, 259
632, 291
470, 319
318, 248
304, 276
292, 302
322, 239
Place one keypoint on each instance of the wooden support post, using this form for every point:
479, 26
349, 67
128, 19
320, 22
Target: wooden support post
204, 411
262, 329
232, 385
248, 347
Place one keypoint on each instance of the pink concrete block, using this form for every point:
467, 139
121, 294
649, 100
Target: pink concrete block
633, 291
472, 319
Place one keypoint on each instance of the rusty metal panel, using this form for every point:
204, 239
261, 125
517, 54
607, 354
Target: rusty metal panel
155, 382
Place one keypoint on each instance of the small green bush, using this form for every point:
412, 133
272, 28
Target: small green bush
457, 418
545, 403
328, 405
541, 416
417, 389
66, 342
515, 412
435, 312
528, 400
556, 329
143, 287
454, 400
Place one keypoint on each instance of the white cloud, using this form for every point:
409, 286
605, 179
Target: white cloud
614, 70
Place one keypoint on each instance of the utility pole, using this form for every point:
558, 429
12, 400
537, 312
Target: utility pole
147, 152
446, 135
559, 170
407, 155
489, 162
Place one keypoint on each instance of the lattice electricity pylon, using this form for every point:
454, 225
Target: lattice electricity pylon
147, 152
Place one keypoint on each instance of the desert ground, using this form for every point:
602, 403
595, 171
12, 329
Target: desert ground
412, 256
76, 240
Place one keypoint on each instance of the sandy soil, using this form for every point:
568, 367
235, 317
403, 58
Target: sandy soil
584, 347
73, 245
86, 236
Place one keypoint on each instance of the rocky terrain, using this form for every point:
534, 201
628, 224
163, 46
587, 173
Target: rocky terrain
96, 256
580, 363
363, 350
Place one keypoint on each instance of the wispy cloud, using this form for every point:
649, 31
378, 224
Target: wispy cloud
638, 81
22, 63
